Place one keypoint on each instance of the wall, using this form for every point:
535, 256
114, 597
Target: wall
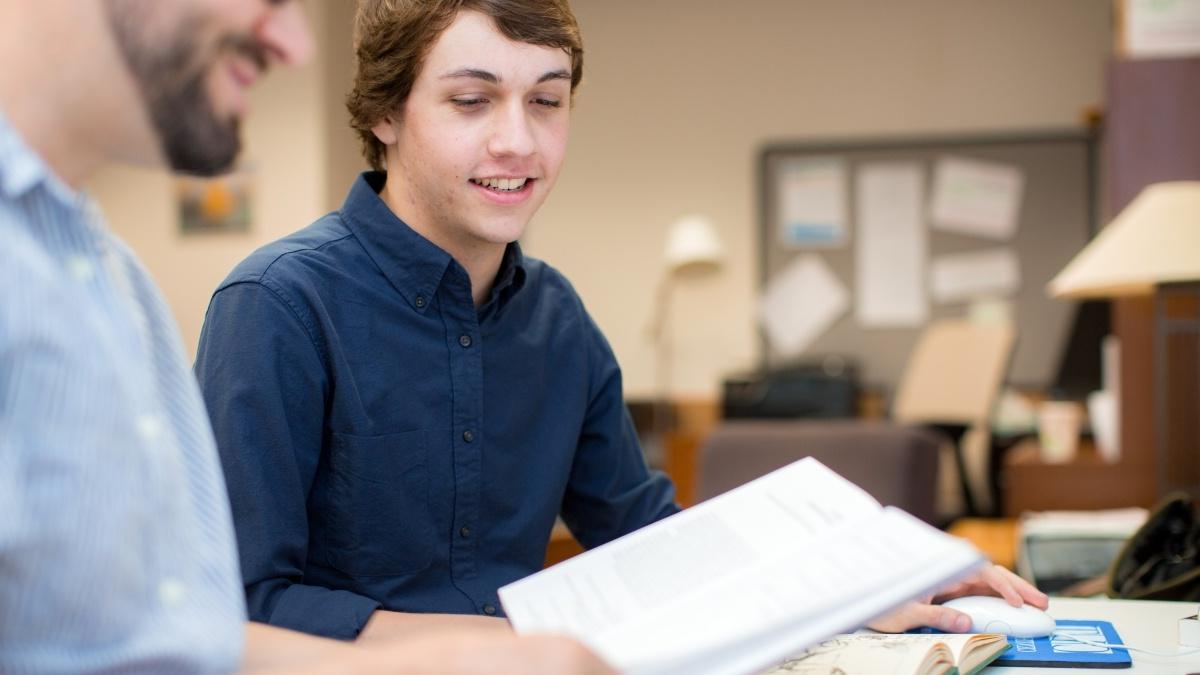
678, 96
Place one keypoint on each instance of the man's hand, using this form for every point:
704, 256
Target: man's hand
993, 580
481, 652
384, 625
448, 650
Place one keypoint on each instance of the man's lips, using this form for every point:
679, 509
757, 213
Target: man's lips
243, 74
505, 190
503, 184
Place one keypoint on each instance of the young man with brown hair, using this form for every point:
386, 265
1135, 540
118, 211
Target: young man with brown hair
403, 401
116, 543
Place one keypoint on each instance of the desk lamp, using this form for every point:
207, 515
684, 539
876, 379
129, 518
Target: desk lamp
692, 249
1153, 248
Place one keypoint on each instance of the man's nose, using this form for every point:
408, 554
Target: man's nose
512, 135
285, 32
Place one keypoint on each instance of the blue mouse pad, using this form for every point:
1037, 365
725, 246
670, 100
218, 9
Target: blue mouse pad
1060, 650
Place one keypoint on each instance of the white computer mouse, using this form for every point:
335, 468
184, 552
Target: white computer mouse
994, 615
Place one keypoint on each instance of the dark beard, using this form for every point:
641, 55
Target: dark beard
172, 81
194, 140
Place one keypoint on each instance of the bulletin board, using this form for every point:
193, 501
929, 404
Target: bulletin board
989, 207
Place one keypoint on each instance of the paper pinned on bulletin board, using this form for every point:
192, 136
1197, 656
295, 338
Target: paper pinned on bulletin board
982, 199
811, 204
891, 244
800, 303
966, 276
1158, 29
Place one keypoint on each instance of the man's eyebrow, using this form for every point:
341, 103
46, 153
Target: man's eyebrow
486, 76
555, 75
473, 73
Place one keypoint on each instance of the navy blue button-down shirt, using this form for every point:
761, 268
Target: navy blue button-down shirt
386, 445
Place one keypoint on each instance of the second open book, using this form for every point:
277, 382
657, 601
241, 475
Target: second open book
898, 654
740, 582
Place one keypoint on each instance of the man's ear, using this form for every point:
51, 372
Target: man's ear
385, 131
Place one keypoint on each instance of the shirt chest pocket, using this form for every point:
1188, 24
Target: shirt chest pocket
379, 489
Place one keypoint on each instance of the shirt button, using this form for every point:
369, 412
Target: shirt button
419, 301
149, 427
465, 340
468, 436
464, 532
172, 593
489, 609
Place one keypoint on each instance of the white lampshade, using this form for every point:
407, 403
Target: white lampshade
692, 242
1155, 240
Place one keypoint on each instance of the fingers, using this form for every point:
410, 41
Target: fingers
1025, 592
1002, 584
994, 580
997, 580
915, 614
946, 619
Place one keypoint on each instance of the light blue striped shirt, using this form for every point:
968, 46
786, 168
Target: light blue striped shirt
117, 551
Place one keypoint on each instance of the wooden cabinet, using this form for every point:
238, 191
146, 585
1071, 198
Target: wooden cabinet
1087, 482
1151, 135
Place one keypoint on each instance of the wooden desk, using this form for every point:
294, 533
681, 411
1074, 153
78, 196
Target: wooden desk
1151, 625
995, 537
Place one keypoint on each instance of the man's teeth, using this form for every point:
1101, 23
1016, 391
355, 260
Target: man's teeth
505, 184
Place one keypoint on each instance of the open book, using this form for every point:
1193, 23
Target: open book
744, 580
898, 655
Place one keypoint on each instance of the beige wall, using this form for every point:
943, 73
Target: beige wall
286, 141
678, 97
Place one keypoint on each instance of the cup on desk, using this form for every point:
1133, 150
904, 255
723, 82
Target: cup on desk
1103, 414
1059, 424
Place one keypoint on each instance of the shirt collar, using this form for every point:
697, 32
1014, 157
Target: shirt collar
22, 169
414, 265
511, 276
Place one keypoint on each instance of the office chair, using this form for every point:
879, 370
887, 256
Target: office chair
949, 385
951, 382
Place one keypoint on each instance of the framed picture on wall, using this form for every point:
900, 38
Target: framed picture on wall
215, 205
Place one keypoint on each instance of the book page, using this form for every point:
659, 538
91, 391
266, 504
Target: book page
902, 653
742, 580
961, 645
872, 653
682, 554
973, 651
880, 564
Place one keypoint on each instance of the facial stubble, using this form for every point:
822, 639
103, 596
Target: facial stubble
172, 77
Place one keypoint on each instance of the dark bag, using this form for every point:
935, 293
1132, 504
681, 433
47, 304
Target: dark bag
1161, 561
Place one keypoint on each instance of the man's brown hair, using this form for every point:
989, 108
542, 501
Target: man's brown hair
393, 37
